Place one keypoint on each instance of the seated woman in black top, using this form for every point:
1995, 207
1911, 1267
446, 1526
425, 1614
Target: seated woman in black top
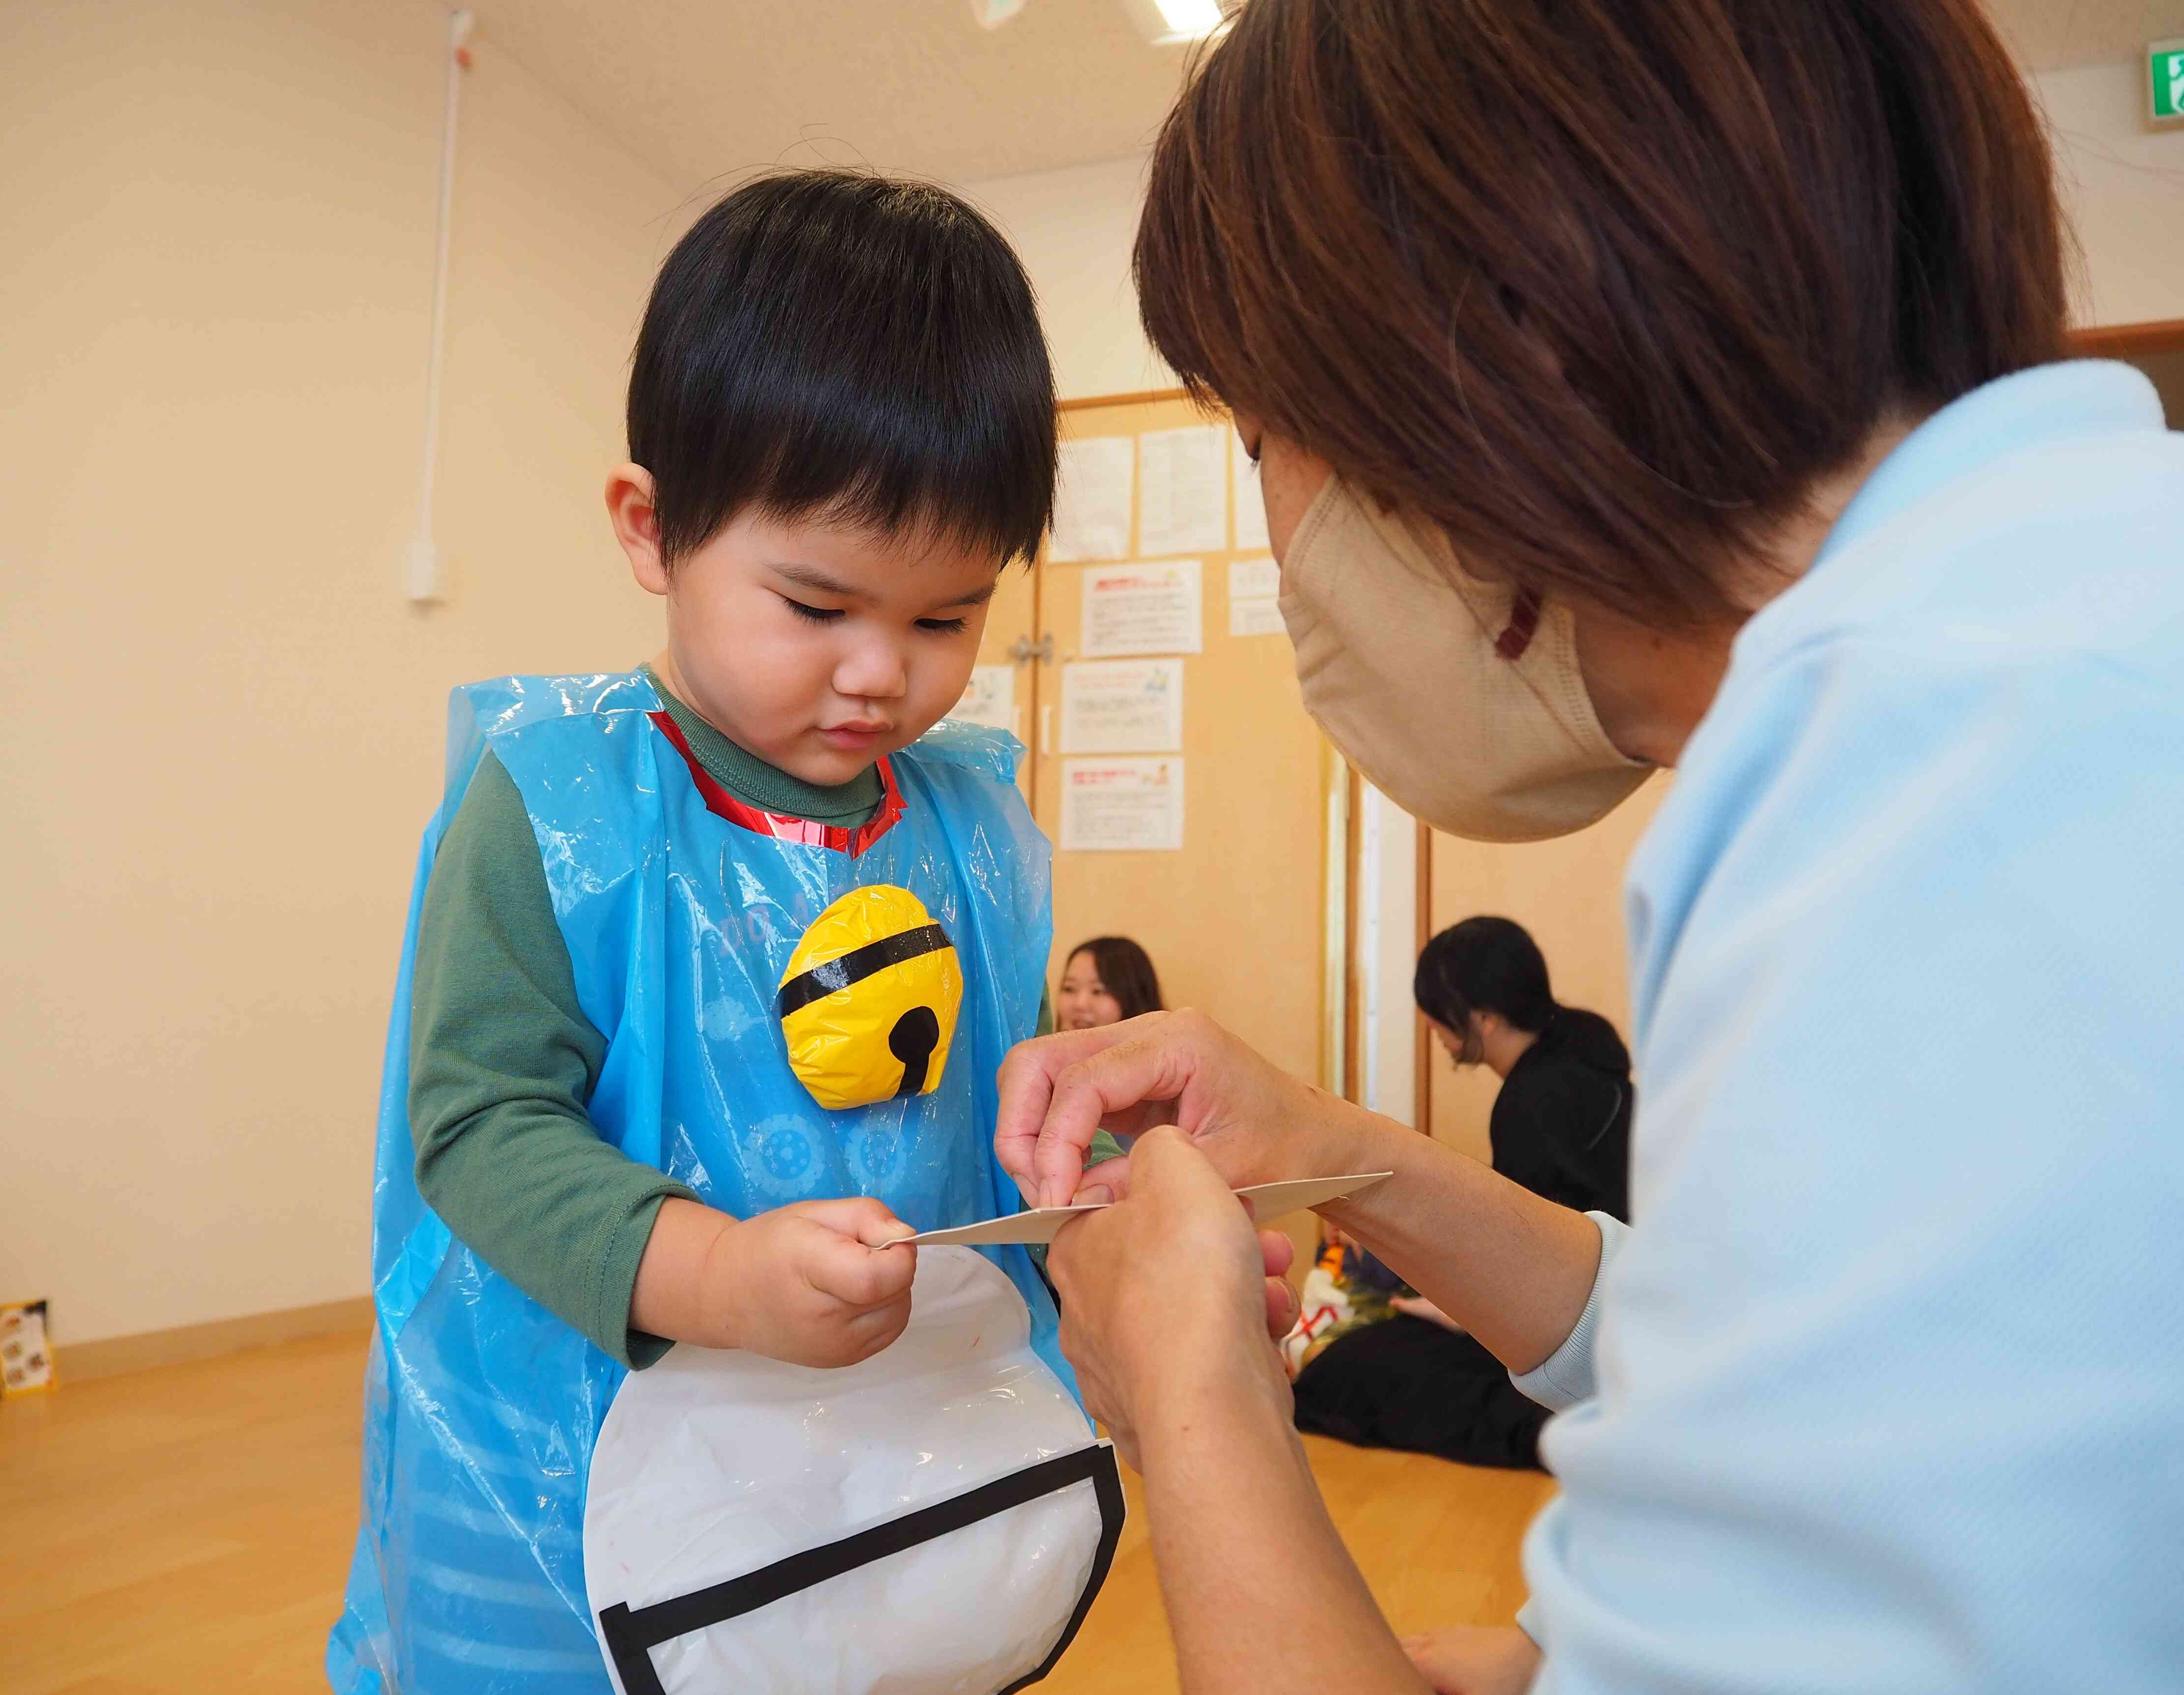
1561, 1126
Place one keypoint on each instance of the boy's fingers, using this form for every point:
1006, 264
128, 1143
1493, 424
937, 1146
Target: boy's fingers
861, 1218
854, 1276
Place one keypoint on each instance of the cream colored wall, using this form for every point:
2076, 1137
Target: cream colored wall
1074, 230
2123, 185
224, 722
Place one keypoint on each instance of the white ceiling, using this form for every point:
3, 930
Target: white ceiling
2060, 34
701, 89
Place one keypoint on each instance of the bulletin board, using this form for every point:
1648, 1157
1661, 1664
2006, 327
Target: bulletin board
1232, 907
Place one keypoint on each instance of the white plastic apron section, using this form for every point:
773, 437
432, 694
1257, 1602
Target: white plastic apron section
713, 1465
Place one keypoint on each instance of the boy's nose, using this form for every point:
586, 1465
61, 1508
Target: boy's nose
872, 672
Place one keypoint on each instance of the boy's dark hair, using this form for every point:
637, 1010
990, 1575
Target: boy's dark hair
1483, 965
828, 344
1601, 289
1126, 971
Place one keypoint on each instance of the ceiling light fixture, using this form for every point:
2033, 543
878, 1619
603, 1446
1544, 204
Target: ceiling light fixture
1165, 22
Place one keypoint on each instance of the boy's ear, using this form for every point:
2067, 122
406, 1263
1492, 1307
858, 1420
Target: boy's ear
636, 525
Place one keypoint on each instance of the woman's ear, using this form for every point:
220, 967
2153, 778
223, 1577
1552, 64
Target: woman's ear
636, 525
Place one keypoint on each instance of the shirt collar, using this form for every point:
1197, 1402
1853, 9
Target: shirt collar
2047, 403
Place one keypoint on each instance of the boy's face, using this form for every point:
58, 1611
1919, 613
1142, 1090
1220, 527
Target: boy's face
819, 649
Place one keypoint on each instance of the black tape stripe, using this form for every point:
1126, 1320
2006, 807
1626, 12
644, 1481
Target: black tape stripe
631, 1635
859, 963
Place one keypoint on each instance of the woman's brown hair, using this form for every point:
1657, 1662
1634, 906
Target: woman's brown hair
1601, 287
1126, 971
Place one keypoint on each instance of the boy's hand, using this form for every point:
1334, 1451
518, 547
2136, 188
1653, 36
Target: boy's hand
806, 1283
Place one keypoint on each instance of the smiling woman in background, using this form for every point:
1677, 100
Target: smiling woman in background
1107, 980
1678, 384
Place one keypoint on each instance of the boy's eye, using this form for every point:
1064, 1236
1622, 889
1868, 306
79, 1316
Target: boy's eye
945, 626
817, 614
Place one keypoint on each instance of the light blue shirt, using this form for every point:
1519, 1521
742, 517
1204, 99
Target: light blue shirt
1885, 1393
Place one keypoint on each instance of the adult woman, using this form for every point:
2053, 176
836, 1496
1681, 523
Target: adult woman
1706, 334
1106, 980
1560, 1127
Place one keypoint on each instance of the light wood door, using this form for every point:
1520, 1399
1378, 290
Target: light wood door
1234, 920
1011, 619
1569, 894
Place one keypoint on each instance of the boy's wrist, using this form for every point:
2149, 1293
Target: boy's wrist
684, 1264
719, 1284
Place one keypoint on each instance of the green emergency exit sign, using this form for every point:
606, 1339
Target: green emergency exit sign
2164, 80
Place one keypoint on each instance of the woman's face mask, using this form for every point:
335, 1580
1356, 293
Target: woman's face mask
1459, 699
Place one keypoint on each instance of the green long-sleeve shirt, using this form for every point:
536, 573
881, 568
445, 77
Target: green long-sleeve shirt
502, 1061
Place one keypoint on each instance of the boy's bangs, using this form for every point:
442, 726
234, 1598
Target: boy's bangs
868, 352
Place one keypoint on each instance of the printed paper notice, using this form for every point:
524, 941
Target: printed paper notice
1122, 705
1260, 616
1137, 609
1092, 500
1183, 490
1251, 504
991, 699
1254, 579
1116, 806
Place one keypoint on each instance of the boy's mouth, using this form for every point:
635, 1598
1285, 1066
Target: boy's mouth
856, 737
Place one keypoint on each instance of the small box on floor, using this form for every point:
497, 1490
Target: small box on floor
26, 1356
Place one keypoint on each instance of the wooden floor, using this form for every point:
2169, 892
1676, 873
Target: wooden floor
187, 1529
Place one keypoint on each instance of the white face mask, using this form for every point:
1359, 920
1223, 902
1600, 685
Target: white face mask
1458, 700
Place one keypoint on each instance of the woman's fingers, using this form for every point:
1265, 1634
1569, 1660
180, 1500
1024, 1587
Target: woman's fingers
1151, 1067
1026, 1091
1279, 1252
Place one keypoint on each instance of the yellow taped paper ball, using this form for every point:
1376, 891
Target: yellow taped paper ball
869, 1001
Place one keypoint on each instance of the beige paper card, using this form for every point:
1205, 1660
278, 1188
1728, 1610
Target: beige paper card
1268, 1201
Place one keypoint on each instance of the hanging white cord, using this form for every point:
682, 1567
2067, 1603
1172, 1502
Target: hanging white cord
423, 576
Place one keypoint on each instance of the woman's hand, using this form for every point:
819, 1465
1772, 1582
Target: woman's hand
1167, 1311
1475, 1659
1254, 1121
1515, 1271
1169, 1297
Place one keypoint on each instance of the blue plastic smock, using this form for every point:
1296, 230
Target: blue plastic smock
680, 910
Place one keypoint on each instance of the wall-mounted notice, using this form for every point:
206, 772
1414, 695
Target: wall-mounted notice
1112, 805
1251, 505
1122, 705
1134, 609
1259, 616
1092, 499
990, 699
1183, 490
1254, 579
1252, 608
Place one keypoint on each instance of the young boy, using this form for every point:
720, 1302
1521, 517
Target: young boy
625, 1128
